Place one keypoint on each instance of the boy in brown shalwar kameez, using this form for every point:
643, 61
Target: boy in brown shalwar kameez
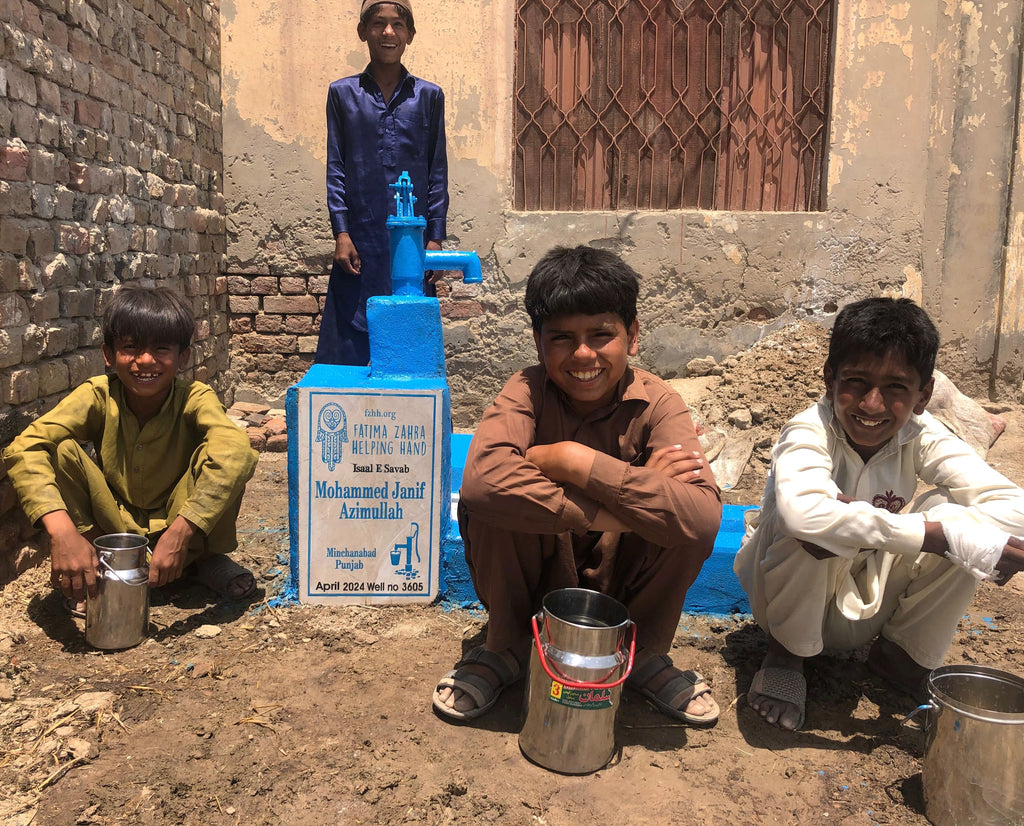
587, 473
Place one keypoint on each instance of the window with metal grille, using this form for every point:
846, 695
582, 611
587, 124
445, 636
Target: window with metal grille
670, 104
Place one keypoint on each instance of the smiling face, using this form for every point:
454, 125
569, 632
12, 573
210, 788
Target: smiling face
586, 355
386, 35
147, 372
873, 397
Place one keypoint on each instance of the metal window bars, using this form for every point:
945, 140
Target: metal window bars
670, 104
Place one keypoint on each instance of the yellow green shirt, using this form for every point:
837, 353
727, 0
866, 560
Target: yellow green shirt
141, 465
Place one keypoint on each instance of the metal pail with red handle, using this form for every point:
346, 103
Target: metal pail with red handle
582, 654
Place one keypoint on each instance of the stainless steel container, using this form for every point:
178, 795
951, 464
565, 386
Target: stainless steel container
973, 771
117, 617
583, 652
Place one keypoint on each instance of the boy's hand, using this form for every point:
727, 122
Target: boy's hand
345, 255
1011, 562
676, 463
73, 562
570, 462
169, 554
433, 276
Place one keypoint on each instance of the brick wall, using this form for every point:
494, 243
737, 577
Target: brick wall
274, 324
110, 171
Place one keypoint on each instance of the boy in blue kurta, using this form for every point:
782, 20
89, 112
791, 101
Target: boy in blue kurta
380, 123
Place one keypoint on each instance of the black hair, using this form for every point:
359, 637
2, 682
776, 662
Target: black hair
156, 315
404, 13
879, 326
571, 280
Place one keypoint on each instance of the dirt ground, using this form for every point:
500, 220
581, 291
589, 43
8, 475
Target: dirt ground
303, 715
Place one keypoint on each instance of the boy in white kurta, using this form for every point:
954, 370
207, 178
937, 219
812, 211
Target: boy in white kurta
836, 557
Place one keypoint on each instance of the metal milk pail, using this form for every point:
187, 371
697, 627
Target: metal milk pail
583, 652
117, 617
973, 771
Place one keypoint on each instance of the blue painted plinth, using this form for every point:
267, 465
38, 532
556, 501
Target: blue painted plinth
716, 591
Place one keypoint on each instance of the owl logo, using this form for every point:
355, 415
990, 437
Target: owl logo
332, 433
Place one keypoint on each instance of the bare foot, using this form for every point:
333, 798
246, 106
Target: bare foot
898, 668
774, 710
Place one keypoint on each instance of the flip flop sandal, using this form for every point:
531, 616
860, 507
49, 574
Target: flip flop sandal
685, 686
781, 684
483, 693
218, 572
76, 609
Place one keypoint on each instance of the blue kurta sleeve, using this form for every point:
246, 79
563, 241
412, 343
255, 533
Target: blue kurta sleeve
337, 206
437, 194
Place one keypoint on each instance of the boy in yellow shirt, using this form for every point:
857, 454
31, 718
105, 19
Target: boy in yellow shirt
169, 464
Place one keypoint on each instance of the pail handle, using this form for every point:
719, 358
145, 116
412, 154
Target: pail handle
553, 672
910, 722
117, 576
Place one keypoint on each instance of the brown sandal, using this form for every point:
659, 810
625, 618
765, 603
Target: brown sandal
483, 693
685, 684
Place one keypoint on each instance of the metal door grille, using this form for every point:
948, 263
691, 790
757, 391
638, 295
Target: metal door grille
669, 104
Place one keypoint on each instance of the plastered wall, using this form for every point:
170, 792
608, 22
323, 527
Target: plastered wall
919, 198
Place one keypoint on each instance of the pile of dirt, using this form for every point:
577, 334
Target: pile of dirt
747, 398
773, 380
